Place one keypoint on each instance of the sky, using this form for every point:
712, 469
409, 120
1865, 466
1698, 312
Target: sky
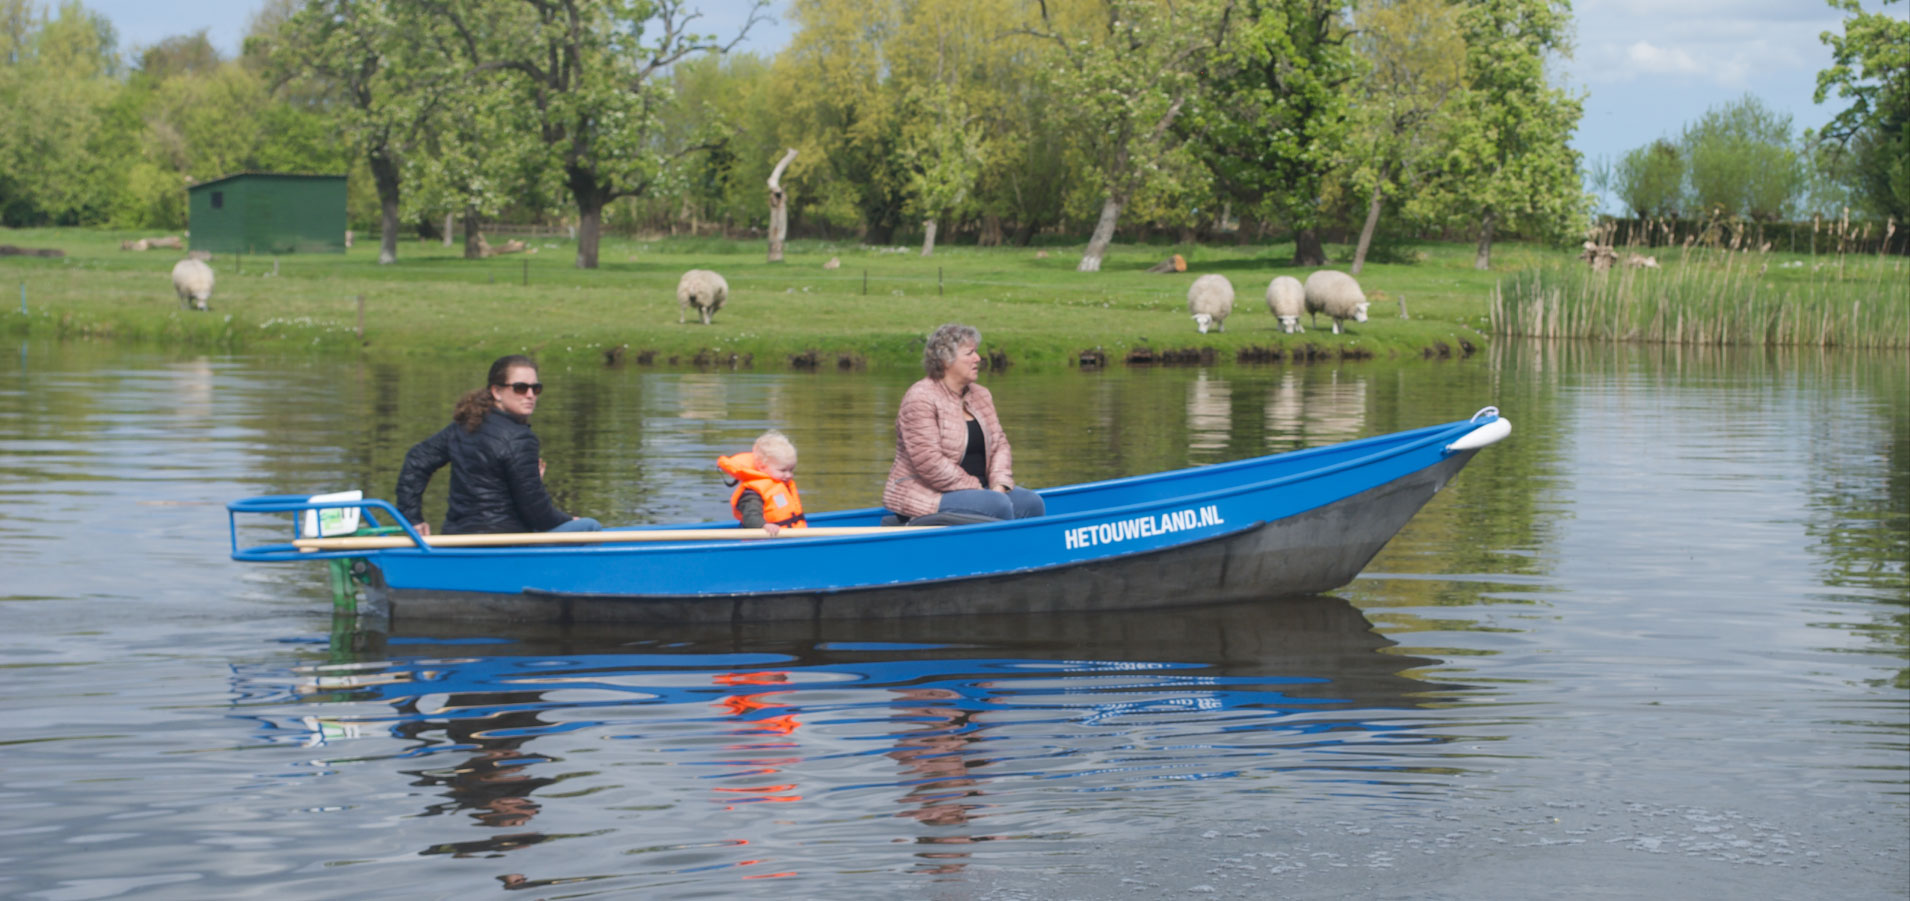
1646, 68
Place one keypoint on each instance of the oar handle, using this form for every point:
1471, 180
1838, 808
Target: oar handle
614, 536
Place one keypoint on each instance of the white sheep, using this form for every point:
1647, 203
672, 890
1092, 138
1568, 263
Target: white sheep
192, 279
702, 288
1337, 295
1286, 300
1210, 299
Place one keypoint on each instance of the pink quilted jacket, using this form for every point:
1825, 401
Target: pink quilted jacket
930, 435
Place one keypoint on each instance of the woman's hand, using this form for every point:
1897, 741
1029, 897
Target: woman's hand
770, 529
1001, 487
424, 528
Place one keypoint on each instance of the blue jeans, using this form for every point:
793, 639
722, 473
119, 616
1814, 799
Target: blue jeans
580, 524
1017, 503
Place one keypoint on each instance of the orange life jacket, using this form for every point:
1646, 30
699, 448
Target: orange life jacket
781, 504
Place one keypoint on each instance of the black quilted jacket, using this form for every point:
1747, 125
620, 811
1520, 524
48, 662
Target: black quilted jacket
494, 482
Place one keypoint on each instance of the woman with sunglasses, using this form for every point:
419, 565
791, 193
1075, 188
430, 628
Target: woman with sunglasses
497, 478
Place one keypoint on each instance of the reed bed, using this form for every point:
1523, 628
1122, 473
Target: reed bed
1715, 294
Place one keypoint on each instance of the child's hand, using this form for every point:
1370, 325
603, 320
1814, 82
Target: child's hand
540, 467
770, 529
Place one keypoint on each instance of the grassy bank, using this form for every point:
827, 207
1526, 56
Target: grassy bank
1714, 296
872, 311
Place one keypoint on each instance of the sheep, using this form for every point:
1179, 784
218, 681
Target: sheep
1337, 295
702, 288
1210, 299
192, 279
1286, 300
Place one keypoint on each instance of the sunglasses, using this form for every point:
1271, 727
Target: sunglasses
525, 387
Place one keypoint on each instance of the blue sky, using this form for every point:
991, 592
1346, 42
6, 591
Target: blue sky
1646, 67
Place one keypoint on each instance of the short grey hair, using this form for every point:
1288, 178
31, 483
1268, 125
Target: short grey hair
945, 344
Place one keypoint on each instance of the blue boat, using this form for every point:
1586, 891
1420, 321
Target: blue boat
1294, 523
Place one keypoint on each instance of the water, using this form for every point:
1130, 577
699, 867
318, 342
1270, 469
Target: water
1652, 645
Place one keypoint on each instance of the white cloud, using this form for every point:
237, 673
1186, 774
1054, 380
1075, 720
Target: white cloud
1656, 60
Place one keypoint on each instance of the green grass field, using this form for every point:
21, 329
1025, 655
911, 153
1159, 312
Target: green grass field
1032, 307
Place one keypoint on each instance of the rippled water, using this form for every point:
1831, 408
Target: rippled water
1654, 645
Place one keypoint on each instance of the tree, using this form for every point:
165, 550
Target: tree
1740, 161
1273, 118
475, 155
1509, 163
942, 148
55, 169
1415, 52
1870, 68
1126, 71
183, 54
849, 112
590, 73
372, 60
779, 207
1651, 179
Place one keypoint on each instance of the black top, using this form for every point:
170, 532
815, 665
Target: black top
494, 482
975, 458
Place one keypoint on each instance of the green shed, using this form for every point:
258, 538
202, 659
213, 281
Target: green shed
265, 212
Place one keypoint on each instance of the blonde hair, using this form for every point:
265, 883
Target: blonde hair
774, 445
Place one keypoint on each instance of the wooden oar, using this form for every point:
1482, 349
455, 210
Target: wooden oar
507, 539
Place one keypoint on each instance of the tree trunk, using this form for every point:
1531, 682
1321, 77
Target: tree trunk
450, 225
991, 231
384, 173
1103, 236
1484, 258
1372, 223
590, 226
778, 208
473, 242
1306, 248
1024, 233
928, 237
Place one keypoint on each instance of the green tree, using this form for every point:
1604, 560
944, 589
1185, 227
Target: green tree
942, 148
61, 78
1651, 179
1274, 114
848, 112
183, 54
591, 73
1741, 162
372, 66
1126, 70
1870, 69
1509, 163
1415, 53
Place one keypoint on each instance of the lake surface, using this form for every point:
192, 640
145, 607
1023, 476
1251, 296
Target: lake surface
1653, 645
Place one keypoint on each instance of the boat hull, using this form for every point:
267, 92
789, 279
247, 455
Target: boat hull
1306, 552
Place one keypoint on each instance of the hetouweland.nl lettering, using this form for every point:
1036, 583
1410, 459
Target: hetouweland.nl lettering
1142, 527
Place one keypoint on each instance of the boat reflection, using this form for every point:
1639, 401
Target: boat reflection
966, 725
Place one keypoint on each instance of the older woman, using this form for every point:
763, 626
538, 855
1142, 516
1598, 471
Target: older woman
497, 478
951, 455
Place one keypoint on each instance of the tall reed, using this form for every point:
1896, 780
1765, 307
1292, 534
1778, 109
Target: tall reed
1716, 292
